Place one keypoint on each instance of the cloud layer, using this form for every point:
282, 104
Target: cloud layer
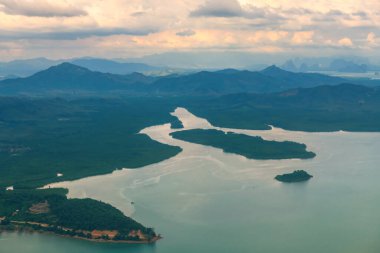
42, 8
132, 28
218, 8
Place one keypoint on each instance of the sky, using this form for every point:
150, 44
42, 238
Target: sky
135, 28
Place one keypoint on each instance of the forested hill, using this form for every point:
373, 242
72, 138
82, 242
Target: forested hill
230, 81
70, 79
324, 108
345, 96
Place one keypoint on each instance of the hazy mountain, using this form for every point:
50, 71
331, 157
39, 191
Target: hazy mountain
25, 67
212, 60
289, 66
68, 78
287, 80
29, 67
108, 66
341, 65
228, 81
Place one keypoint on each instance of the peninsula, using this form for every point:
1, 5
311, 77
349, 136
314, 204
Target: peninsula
49, 211
251, 147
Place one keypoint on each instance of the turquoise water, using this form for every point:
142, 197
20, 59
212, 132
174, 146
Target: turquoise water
204, 200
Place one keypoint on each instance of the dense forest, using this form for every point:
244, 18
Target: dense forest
51, 206
245, 145
42, 137
294, 177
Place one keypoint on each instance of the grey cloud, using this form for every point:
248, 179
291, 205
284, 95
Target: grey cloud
73, 35
232, 8
41, 8
186, 33
269, 15
138, 14
361, 14
335, 13
218, 8
298, 11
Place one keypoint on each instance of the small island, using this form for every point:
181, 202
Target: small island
49, 211
295, 177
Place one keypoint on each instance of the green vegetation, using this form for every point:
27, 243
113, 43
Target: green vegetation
74, 213
296, 176
176, 124
21, 200
79, 138
41, 138
322, 109
74, 217
245, 145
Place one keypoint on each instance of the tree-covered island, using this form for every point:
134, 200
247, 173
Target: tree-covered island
252, 147
296, 176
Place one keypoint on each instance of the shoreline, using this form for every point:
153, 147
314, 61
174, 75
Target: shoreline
30, 230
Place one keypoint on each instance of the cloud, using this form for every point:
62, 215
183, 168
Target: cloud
138, 14
266, 37
271, 16
186, 33
345, 42
138, 27
40, 8
361, 14
73, 34
371, 38
218, 8
304, 37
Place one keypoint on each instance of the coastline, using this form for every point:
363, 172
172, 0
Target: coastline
31, 230
161, 133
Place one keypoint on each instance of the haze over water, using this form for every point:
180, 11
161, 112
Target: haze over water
204, 200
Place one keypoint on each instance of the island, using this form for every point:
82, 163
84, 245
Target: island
252, 147
49, 211
295, 177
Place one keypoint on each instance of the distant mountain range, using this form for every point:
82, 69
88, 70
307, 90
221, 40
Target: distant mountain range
108, 66
70, 79
334, 65
230, 98
156, 65
23, 68
270, 79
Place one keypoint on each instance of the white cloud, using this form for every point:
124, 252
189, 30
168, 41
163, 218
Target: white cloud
345, 42
371, 38
305, 37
